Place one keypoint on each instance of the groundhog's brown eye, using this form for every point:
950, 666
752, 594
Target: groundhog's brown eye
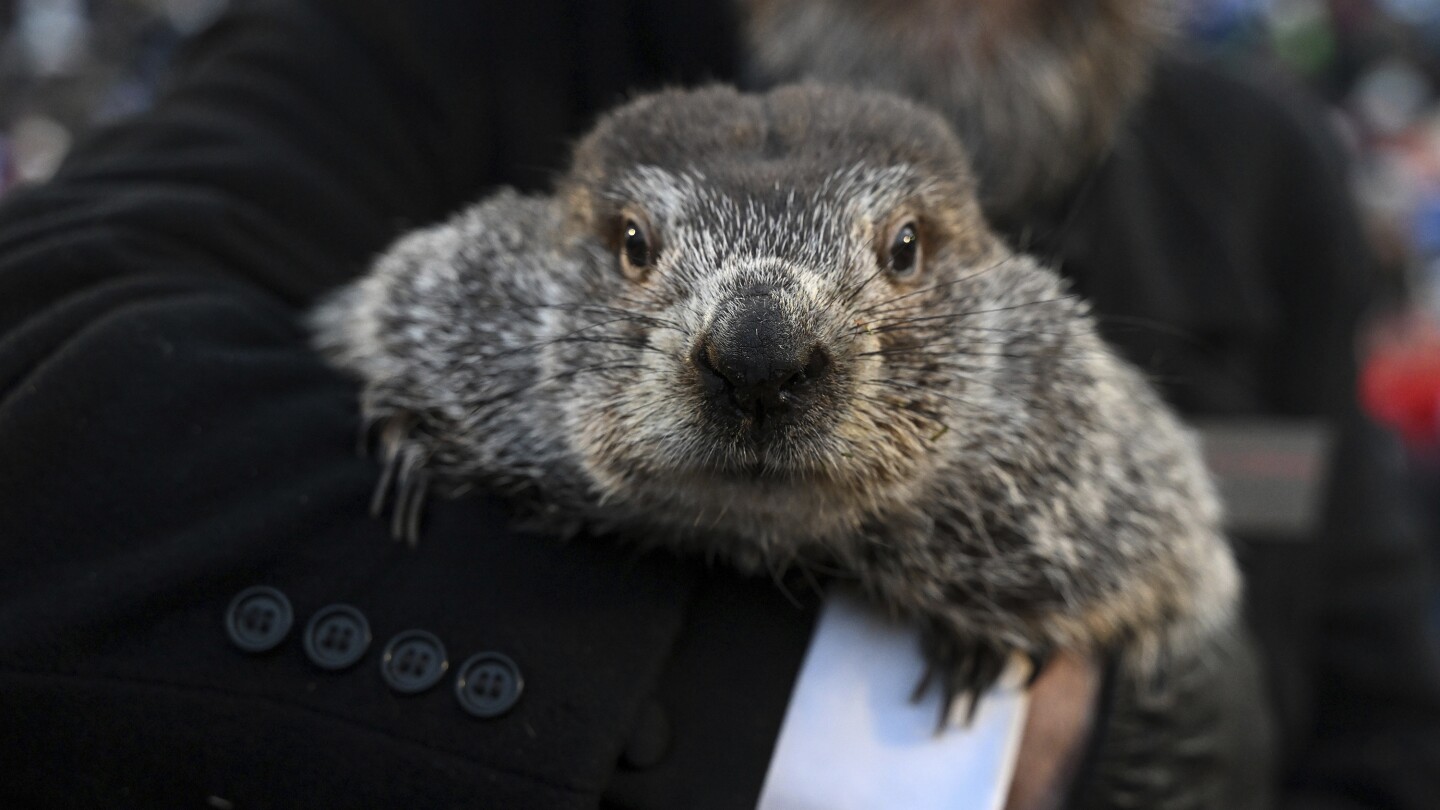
905, 251
635, 245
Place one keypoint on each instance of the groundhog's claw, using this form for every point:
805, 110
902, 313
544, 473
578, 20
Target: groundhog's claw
403, 471
965, 669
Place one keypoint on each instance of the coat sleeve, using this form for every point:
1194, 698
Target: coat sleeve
297, 139
167, 439
285, 153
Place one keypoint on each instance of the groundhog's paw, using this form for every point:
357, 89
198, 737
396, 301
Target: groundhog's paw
965, 668
391, 439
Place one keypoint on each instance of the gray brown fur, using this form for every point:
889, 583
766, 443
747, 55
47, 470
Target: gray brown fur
978, 459
1035, 88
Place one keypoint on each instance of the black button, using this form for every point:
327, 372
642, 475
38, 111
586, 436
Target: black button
489, 684
258, 619
413, 661
336, 637
650, 739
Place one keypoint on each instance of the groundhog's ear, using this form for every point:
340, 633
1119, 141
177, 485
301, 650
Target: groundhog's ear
956, 226
579, 209
669, 129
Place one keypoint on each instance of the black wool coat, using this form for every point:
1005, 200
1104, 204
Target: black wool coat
168, 442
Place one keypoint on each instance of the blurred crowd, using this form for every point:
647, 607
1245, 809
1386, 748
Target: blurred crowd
66, 65
1377, 63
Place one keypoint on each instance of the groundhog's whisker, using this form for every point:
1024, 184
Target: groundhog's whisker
915, 415
574, 333
620, 313
1152, 325
891, 323
940, 352
931, 392
640, 345
1002, 330
967, 277
848, 297
955, 372
932, 363
533, 384
887, 407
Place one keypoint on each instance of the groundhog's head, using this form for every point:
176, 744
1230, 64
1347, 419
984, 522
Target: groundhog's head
808, 257
773, 316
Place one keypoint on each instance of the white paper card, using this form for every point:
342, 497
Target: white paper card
852, 740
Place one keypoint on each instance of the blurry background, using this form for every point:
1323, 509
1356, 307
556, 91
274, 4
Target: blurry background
67, 65
1377, 63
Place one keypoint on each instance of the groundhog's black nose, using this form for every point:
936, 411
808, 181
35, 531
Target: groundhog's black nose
757, 360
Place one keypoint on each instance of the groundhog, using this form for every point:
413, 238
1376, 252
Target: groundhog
777, 330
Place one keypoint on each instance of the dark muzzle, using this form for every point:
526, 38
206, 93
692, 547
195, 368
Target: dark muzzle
758, 362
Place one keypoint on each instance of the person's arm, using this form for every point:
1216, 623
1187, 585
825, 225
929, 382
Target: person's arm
290, 149
298, 139
168, 439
